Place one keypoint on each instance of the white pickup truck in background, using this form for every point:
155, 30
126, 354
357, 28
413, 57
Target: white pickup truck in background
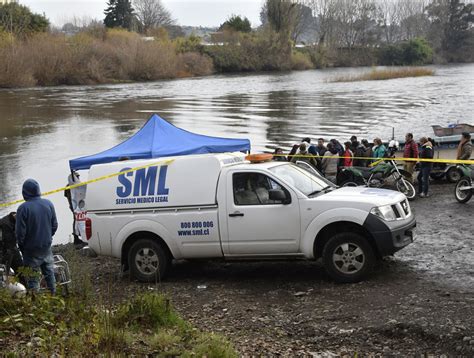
224, 207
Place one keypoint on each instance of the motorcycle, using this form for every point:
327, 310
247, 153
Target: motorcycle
385, 173
465, 186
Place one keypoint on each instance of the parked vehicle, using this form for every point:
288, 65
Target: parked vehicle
222, 206
385, 173
465, 186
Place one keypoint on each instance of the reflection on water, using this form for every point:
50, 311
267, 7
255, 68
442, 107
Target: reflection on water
41, 129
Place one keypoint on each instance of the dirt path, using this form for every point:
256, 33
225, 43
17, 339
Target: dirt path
420, 301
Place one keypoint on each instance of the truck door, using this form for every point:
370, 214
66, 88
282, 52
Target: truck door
256, 224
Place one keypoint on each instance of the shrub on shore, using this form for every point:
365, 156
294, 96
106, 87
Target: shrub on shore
300, 61
118, 55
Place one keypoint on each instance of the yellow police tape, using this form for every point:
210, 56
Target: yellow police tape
167, 162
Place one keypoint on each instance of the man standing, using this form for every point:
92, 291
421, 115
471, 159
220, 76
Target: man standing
426, 152
410, 151
358, 149
321, 148
465, 147
36, 224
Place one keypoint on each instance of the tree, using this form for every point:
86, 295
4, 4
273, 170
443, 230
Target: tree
119, 13
288, 17
452, 22
152, 14
280, 15
236, 23
325, 13
20, 21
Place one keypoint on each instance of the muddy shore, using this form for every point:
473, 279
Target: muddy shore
421, 301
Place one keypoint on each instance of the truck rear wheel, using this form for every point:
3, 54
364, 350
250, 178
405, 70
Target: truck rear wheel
148, 261
348, 257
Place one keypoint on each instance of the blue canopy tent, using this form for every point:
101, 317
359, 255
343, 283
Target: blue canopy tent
159, 138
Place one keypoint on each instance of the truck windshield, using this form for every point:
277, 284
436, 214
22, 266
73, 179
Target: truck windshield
306, 182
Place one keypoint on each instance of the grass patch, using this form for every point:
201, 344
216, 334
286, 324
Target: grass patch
45, 325
385, 74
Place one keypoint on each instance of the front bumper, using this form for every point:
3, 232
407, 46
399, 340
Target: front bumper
390, 237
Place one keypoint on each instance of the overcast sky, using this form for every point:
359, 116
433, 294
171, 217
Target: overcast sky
186, 12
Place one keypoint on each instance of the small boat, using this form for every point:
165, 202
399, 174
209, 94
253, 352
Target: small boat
452, 129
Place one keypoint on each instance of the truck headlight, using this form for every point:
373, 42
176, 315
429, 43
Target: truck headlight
384, 212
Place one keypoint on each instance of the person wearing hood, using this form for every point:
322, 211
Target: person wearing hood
9, 252
465, 147
36, 224
426, 152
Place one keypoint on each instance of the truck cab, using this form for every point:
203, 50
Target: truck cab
223, 206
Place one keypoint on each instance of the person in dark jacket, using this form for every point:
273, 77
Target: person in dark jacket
9, 253
426, 152
293, 152
358, 149
321, 148
367, 152
36, 225
340, 151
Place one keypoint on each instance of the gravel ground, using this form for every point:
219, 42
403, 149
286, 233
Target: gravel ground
421, 301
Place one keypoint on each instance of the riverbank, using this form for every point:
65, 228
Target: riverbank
100, 56
419, 302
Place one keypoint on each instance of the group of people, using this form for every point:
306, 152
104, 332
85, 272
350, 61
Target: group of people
329, 157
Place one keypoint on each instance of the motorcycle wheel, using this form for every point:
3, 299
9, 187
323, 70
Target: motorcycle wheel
349, 183
407, 188
453, 175
463, 195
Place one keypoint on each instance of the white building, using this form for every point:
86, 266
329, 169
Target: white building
3, 2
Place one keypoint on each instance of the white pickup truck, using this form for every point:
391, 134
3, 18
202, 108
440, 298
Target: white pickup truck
223, 206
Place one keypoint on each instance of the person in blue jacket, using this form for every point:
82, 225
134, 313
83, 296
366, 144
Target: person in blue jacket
36, 223
378, 150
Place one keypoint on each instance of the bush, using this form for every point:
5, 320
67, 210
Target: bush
262, 51
417, 52
300, 61
413, 52
188, 44
195, 64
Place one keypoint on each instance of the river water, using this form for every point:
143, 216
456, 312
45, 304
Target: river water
42, 128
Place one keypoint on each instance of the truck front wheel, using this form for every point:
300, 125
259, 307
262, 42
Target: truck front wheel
148, 261
347, 257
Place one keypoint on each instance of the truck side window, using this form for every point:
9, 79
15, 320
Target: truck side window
252, 189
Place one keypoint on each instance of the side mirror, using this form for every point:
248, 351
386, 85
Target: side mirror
279, 195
